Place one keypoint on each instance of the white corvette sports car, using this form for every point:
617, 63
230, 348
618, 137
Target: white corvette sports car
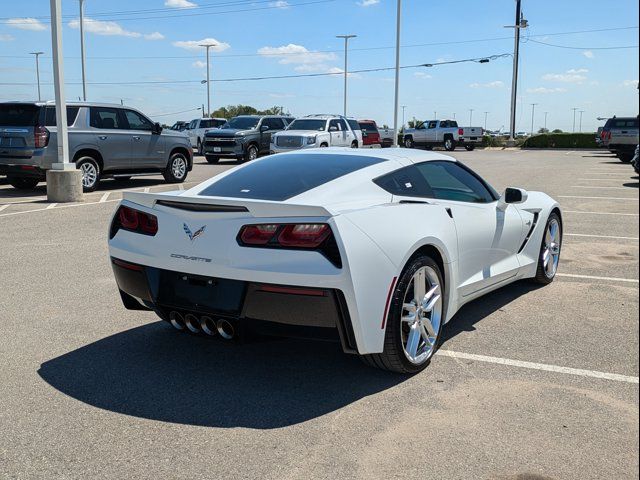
377, 249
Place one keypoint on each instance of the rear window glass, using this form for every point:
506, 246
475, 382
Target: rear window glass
19, 115
280, 177
625, 123
354, 124
368, 127
50, 116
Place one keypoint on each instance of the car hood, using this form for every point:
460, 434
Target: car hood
301, 133
228, 132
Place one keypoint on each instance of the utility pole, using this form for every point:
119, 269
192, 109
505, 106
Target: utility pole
574, 119
208, 46
533, 109
470, 116
520, 23
435, 115
37, 54
346, 50
580, 129
403, 107
545, 120
485, 120
397, 89
64, 181
84, 80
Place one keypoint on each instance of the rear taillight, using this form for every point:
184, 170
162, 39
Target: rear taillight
609, 135
40, 137
297, 236
133, 220
460, 131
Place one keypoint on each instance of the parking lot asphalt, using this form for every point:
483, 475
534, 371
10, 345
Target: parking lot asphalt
530, 382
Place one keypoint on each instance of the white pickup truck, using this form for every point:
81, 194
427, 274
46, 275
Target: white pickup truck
444, 133
198, 127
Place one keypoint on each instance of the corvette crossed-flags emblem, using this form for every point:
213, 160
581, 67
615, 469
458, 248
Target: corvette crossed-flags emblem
193, 235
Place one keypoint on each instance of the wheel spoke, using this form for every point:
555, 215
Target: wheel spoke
426, 323
419, 286
413, 340
426, 336
430, 299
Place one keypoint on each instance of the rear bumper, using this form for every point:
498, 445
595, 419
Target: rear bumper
30, 171
264, 308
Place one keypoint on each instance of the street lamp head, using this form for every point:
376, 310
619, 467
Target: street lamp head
203, 82
346, 36
36, 53
483, 60
208, 45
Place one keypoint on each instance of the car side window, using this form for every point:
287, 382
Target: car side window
193, 124
406, 182
444, 124
450, 181
343, 125
276, 124
334, 125
137, 121
432, 125
105, 118
50, 116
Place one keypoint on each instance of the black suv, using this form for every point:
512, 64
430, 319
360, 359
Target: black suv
244, 137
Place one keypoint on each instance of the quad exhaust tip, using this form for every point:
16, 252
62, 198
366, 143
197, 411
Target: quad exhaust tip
192, 323
225, 329
208, 326
177, 320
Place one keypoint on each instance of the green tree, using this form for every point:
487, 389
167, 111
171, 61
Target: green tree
543, 130
557, 130
234, 110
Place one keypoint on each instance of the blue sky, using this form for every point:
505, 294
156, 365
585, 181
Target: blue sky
258, 38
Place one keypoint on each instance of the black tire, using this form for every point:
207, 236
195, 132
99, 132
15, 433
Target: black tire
449, 144
199, 147
323, 145
251, 153
408, 142
177, 168
470, 148
91, 173
212, 159
354, 144
625, 157
23, 183
393, 357
541, 277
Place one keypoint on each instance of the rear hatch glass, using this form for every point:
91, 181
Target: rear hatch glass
19, 115
280, 177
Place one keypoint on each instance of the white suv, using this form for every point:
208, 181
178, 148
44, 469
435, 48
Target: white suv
315, 131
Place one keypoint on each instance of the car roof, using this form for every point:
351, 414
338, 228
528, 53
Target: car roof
52, 103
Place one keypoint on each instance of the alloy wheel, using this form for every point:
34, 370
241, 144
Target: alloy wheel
421, 316
179, 167
253, 153
551, 250
89, 174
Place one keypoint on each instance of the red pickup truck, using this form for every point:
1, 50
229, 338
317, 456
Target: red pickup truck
370, 136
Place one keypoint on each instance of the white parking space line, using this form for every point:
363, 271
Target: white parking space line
599, 179
592, 277
104, 197
627, 175
50, 206
2, 207
180, 187
602, 213
600, 187
597, 198
539, 366
59, 207
599, 236
146, 190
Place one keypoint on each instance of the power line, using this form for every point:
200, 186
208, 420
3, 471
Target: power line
174, 113
582, 48
279, 77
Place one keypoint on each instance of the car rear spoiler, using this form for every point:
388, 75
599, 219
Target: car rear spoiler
256, 208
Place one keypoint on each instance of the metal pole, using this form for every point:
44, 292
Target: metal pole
580, 129
403, 107
397, 89
485, 119
545, 120
346, 50
514, 81
470, 116
574, 119
84, 80
58, 87
208, 46
37, 54
533, 109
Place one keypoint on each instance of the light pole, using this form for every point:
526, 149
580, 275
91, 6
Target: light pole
84, 80
37, 54
533, 109
470, 116
403, 107
485, 120
397, 89
545, 120
574, 119
520, 23
580, 129
346, 50
208, 46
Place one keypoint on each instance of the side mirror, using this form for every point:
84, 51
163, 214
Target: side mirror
157, 128
513, 196
264, 128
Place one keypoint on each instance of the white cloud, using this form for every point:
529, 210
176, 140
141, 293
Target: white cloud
154, 36
588, 54
179, 4
196, 44
630, 83
5, 37
336, 70
494, 84
573, 75
546, 90
303, 59
368, 3
27, 24
280, 4
422, 75
199, 64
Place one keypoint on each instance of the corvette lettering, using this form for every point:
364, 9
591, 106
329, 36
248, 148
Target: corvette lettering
190, 258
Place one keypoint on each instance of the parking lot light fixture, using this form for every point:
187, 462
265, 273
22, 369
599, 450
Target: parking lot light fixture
533, 109
485, 120
574, 119
37, 54
580, 128
346, 53
208, 81
397, 86
545, 119
82, 54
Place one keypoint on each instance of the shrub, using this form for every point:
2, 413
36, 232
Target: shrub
561, 140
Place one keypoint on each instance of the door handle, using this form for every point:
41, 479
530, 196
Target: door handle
102, 137
136, 137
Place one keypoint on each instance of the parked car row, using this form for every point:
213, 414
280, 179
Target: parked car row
445, 133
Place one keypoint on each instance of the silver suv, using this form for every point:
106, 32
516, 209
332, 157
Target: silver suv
105, 140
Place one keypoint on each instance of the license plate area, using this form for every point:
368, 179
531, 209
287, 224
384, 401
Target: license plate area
217, 149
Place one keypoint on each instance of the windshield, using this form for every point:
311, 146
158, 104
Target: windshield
242, 123
308, 124
279, 177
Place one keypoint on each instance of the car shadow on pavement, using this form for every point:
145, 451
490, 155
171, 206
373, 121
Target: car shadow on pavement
157, 373
472, 313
